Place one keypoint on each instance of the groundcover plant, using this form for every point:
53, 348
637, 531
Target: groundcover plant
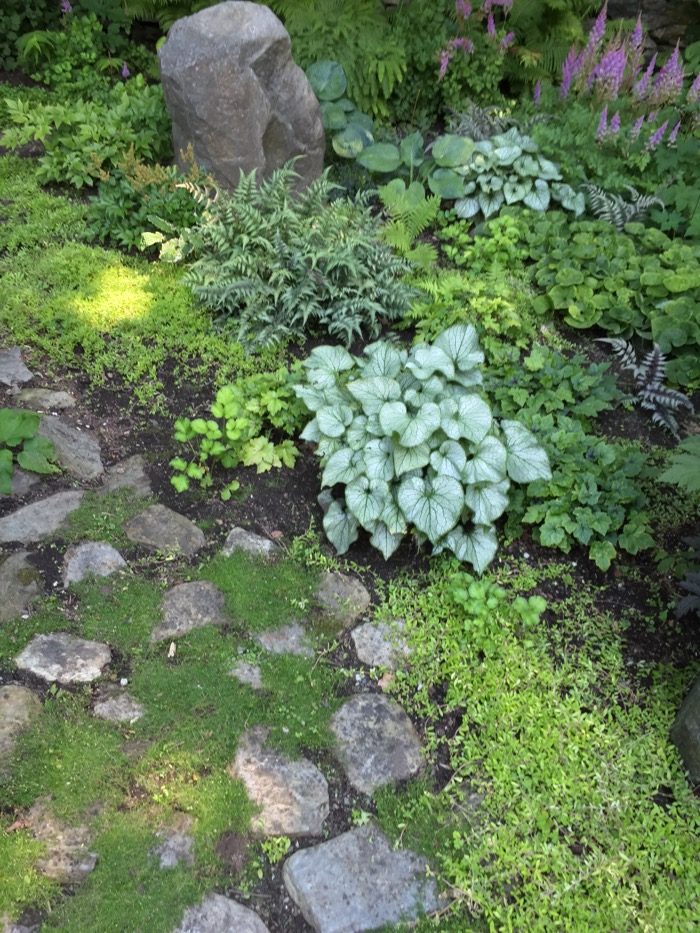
353, 520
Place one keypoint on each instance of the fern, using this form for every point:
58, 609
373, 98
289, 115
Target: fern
649, 377
274, 265
479, 123
411, 213
616, 210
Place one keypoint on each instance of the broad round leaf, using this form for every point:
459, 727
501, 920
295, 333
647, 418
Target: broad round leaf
384, 540
421, 426
507, 154
433, 506
383, 359
357, 435
407, 459
526, 460
373, 392
475, 417
425, 360
393, 417
344, 466
449, 459
477, 547
311, 432
461, 344
340, 527
380, 157
538, 198
487, 502
365, 501
350, 142
378, 456
327, 79
333, 117
17, 425
446, 183
411, 149
324, 364
490, 204
450, 151
334, 419
488, 465
466, 208
392, 517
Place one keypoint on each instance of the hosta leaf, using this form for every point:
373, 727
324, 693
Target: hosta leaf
411, 149
350, 142
341, 528
527, 166
538, 198
488, 465
421, 426
433, 506
373, 391
378, 456
327, 79
410, 458
446, 183
487, 502
334, 419
514, 191
333, 116
461, 344
344, 466
490, 204
365, 501
507, 154
477, 547
383, 360
380, 157
526, 460
324, 364
384, 540
426, 360
450, 150
449, 459
466, 208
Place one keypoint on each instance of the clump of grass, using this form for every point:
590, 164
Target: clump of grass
102, 517
21, 885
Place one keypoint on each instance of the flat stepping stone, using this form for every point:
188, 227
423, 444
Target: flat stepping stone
77, 452
12, 369
685, 732
288, 639
116, 705
160, 528
219, 914
177, 848
22, 483
64, 658
380, 644
39, 519
292, 794
241, 540
342, 597
18, 707
67, 859
189, 606
19, 586
128, 474
91, 558
375, 742
248, 674
45, 399
357, 881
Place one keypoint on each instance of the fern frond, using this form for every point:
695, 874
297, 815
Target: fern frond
614, 209
624, 351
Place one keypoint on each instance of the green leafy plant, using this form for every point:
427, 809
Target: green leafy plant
684, 468
244, 414
414, 445
19, 17
616, 210
277, 265
410, 214
20, 443
649, 377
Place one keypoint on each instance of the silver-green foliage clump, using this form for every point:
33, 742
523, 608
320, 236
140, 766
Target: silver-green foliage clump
415, 445
509, 169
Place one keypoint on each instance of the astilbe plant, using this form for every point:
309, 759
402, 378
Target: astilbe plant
415, 446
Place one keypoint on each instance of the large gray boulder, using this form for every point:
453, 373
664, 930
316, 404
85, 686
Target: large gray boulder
686, 732
236, 97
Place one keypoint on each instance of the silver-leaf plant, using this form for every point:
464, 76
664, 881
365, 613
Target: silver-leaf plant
409, 436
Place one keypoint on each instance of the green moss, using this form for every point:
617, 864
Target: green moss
49, 616
261, 594
101, 518
21, 885
122, 611
68, 755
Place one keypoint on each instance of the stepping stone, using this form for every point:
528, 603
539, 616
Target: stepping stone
241, 540
18, 707
39, 519
129, 474
12, 369
685, 732
22, 483
176, 848
45, 399
64, 658
248, 674
380, 644
357, 881
219, 914
293, 794
160, 528
67, 858
117, 705
189, 606
77, 452
19, 586
91, 558
343, 598
288, 639
375, 742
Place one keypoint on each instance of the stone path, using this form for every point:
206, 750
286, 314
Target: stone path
353, 882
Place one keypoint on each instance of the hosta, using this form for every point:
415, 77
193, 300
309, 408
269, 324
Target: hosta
415, 445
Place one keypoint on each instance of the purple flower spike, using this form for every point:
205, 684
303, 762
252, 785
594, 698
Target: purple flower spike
125, 71
694, 92
444, 63
491, 25
463, 9
656, 137
602, 130
674, 133
507, 40
637, 37
66, 7
537, 93
637, 127
642, 86
463, 43
569, 70
609, 72
669, 81
615, 124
